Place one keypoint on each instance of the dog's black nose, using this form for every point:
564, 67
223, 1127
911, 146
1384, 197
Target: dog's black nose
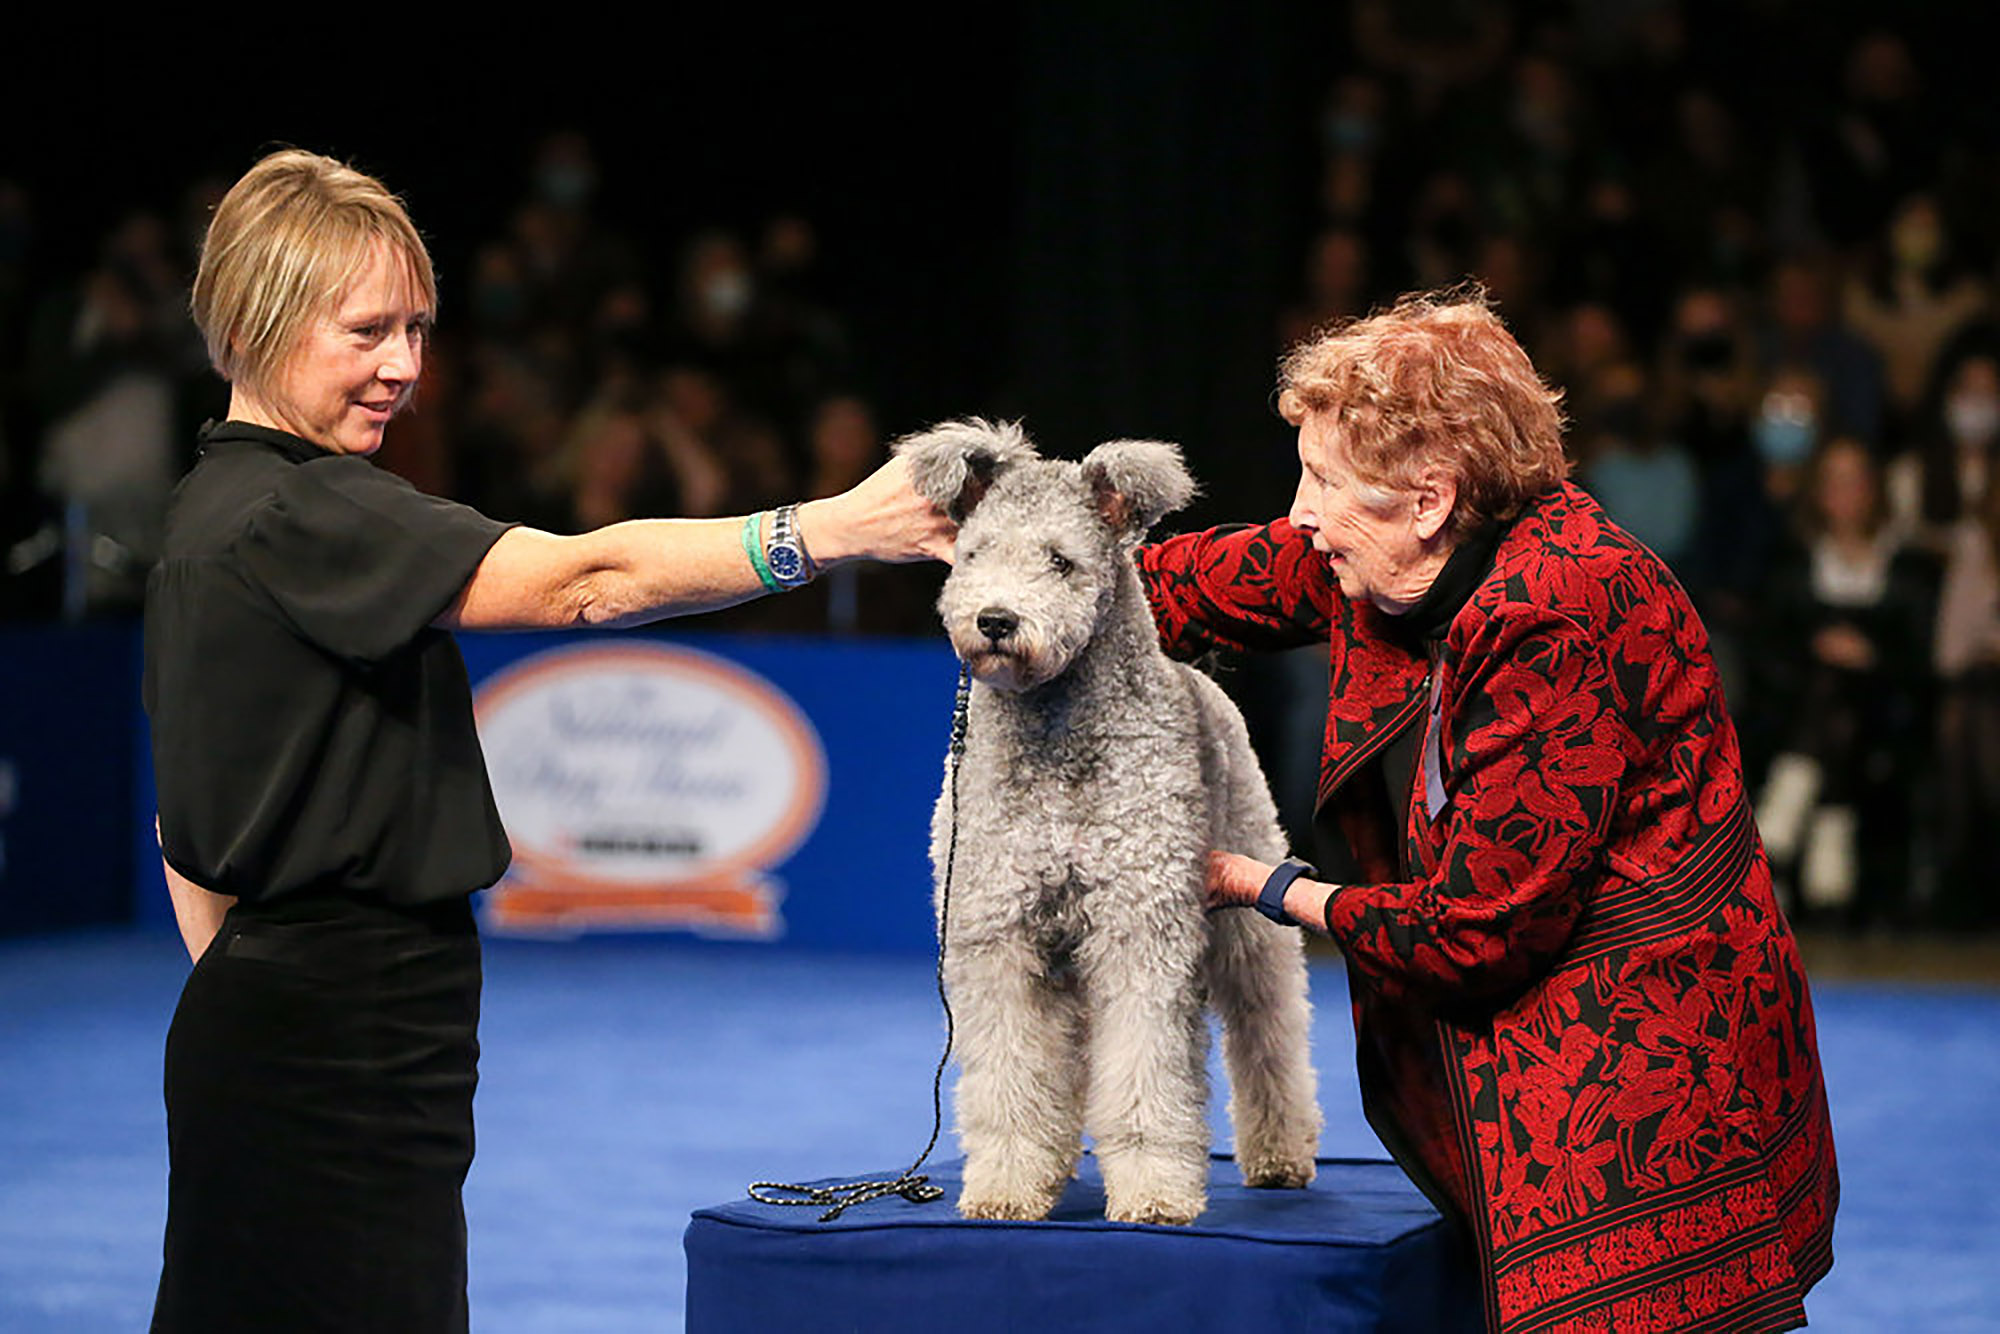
996, 624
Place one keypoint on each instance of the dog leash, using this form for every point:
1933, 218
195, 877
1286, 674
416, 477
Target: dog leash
911, 1185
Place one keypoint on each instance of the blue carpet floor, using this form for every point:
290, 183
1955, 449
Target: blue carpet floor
626, 1083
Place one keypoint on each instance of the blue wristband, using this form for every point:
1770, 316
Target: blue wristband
1271, 899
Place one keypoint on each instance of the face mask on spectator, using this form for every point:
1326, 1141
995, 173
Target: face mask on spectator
1710, 350
566, 184
1784, 429
725, 295
1917, 243
1972, 418
1350, 132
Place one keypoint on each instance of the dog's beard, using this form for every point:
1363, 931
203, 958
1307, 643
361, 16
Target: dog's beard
1002, 671
1022, 661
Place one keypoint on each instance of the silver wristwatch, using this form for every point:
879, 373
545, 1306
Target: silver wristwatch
785, 551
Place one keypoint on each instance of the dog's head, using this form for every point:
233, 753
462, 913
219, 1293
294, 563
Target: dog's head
1042, 543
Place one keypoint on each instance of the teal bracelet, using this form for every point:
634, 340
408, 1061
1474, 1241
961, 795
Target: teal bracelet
753, 547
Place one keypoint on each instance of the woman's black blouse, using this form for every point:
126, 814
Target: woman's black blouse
312, 732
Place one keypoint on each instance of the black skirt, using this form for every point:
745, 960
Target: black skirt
319, 1081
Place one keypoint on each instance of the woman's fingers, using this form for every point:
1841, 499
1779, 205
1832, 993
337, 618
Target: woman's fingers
1234, 880
881, 518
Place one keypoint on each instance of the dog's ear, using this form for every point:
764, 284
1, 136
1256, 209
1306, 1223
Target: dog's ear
953, 463
1134, 482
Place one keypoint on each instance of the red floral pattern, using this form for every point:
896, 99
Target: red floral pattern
1585, 1022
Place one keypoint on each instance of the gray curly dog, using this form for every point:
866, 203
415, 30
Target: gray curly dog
1097, 775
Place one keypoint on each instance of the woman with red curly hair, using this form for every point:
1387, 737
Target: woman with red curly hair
1583, 1025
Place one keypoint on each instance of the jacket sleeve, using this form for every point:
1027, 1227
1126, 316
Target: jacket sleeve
1243, 587
1533, 764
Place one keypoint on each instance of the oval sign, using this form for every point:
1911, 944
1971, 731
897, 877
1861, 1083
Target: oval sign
645, 785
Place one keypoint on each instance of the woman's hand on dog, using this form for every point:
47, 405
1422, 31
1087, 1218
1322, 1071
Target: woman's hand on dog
1235, 881
881, 518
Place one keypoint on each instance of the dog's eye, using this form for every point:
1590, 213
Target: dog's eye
1060, 563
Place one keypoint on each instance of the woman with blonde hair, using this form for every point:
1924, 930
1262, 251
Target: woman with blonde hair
1583, 1027
324, 806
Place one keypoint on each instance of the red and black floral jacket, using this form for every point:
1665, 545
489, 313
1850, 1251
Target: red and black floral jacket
1583, 1023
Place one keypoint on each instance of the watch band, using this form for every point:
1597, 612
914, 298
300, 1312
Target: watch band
1271, 898
785, 550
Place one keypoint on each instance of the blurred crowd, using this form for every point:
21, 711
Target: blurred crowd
1767, 287
577, 379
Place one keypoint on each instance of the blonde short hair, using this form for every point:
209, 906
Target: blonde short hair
281, 250
1434, 381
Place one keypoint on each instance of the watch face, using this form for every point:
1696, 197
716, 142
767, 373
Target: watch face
785, 562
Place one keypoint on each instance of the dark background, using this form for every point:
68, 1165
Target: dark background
1084, 214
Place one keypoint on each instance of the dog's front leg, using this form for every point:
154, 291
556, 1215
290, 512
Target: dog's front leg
1148, 1097
1020, 1095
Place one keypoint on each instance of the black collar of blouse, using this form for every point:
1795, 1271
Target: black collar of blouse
295, 449
1453, 588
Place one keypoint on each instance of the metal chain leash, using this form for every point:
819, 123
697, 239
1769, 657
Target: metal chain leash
912, 1186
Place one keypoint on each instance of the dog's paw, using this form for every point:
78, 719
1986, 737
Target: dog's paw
1279, 1175
1172, 1212
1003, 1208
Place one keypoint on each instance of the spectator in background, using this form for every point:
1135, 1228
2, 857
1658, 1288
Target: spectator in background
1707, 379
1435, 51
1358, 183
498, 308
107, 362
1336, 285
1968, 735
1347, 193
1444, 230
1846, 635
1538, 139
1909, 298
1791, 422
706, 428
715, 289
1507, 266
1609, 256
1943, 480
572, 260
616, 470
1803, 331
1877, 145
1707, 391
846, 443
1707, 191
1647, 483
511, 429
1584, 341
803, 346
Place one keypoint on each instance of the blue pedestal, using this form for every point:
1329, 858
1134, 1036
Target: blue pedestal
1360, 1250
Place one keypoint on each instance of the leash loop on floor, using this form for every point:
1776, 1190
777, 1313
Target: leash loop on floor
913, 1186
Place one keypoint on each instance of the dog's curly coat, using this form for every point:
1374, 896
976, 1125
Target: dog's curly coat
1097, 776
